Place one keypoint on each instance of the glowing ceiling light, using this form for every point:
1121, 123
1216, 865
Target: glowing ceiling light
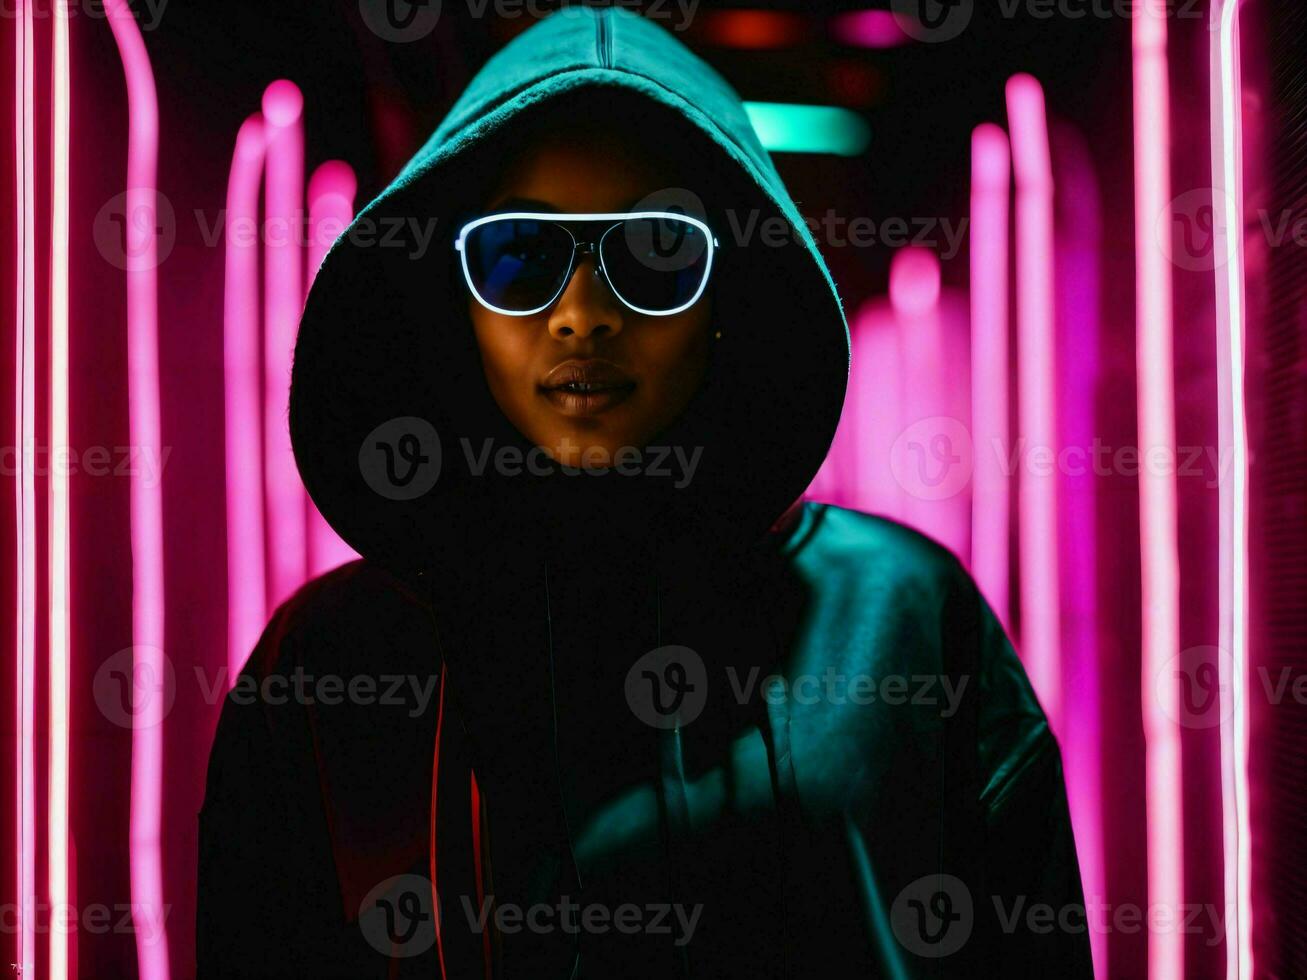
788, 128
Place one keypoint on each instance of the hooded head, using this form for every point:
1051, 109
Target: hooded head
412, 408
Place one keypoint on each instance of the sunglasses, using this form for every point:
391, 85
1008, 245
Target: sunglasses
655, 262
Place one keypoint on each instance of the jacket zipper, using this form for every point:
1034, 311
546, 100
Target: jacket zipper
603, 41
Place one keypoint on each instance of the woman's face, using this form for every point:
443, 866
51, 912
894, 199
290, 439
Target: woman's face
644, 369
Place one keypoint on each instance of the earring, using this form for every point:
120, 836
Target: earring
717, 335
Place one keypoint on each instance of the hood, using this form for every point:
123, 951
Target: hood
385, 351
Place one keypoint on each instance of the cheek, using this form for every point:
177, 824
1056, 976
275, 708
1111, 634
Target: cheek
678, 354
505, 346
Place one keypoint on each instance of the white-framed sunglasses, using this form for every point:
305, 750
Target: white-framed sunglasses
520, 262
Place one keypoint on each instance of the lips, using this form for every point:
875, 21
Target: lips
587, 387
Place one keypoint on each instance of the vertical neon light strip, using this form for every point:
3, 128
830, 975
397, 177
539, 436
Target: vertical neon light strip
1231, 306
331, 208
1037, 502
1158, 529
25, 487
246, 584
148, 912
60, 579
283, 300
991, 497
1078, 288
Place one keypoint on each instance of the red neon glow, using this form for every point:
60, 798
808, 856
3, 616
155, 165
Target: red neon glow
148, 910
753, 29
283, 301
246, 585
1036, 403
991, 179
1158, 531
869, 29
59, 615
25, 495
332, 189
1231, 310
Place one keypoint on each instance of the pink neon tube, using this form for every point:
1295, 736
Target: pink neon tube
1231, 306
990, 500
57, 817
283, 301
25, 495
1158, 532
869, 29
931, 338
1037, 489
148, 911
1078, 288
246, 585
331, 208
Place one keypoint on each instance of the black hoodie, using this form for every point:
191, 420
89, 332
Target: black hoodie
558, 725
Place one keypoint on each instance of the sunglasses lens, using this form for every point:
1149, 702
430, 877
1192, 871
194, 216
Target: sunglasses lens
518, 264
656, 264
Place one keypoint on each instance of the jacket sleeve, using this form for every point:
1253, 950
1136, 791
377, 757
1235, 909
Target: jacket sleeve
1033, 910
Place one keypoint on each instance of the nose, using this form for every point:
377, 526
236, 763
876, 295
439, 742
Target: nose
587, 307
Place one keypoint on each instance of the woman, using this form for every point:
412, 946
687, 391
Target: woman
602, 700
